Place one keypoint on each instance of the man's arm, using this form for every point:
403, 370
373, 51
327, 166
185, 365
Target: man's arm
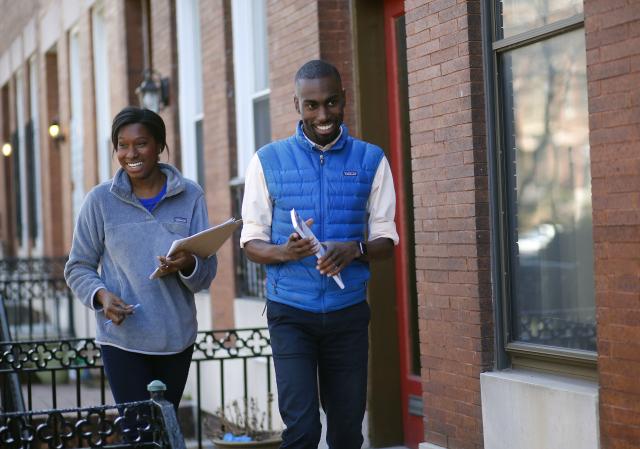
341, 254
295, 248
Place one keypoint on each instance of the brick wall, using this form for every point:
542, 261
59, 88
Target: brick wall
51, 159
292, 29
613, 73
451, 215
165, 61
6, 225
64, 108
299, 31
334, 26
219, 142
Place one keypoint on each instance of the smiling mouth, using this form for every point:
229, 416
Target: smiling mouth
324, 128
134, 164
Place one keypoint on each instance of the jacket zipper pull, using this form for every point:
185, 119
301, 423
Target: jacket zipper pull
321, 158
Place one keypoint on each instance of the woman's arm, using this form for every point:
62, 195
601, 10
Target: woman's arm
200, 275
81, 270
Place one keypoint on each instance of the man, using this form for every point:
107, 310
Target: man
319, 332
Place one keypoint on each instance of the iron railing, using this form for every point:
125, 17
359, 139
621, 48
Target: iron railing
37, 301
54, 370
145, 424
250, 276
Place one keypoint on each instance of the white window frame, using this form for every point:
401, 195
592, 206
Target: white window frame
38, 246
190, 78
77, 134
247, 59
102, 90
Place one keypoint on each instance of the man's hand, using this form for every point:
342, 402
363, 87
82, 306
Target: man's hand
298, 248
338, 256
114, 308
294, 248
182, 261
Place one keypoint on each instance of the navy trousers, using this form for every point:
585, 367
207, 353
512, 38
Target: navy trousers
129, 373
320, 357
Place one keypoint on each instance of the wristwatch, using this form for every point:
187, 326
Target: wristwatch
363, 248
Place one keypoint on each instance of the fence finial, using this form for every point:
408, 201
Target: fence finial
156, 389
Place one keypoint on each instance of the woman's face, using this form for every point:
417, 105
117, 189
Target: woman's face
137, 151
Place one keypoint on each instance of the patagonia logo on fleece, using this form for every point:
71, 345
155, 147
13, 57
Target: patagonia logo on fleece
350, 173
179, 220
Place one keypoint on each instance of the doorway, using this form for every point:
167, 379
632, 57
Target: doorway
405, 270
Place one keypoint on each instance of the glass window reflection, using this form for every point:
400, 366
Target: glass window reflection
549, 192
518, 16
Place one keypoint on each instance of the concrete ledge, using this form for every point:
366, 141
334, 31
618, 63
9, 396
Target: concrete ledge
530, 410
429, 446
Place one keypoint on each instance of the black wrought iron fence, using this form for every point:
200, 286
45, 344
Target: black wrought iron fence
228, 365
145, 424
249, 275
37, 301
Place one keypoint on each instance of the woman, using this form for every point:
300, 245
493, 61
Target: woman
146, 328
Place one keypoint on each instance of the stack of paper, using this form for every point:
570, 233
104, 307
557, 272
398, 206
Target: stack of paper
204, 243
303, 231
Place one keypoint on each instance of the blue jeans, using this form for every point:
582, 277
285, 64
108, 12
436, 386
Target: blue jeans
325, 355
129, 373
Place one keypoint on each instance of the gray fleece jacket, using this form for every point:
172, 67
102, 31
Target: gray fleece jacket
116, 233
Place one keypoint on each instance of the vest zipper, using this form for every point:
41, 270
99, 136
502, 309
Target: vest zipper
322, 236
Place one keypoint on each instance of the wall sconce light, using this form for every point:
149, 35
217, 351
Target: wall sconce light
6, 149
55, 132
153, 92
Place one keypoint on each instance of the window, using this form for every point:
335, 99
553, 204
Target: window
253, 120
77, 133
251, 67
33, 149
190, 73
101, 80
541, 181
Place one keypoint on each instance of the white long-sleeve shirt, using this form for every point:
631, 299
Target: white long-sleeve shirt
257, 208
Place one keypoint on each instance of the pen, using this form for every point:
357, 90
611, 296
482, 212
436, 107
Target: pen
106, 323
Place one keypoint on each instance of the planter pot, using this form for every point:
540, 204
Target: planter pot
271, 443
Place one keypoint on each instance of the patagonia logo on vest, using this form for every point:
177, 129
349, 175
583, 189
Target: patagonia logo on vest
350, 173
179, 220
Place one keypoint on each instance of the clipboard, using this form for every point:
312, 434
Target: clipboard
204, 243
303, 231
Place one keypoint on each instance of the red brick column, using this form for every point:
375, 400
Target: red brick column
613, 73
451, 215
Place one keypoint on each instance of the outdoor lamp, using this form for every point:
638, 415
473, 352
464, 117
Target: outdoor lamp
153, 92
55, 131
6, 149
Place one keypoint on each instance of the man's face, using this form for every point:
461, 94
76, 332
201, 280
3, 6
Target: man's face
320, 103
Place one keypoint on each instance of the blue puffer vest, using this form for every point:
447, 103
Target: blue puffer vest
332, 188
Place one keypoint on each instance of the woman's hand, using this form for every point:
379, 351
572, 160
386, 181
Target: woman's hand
182, 261
114, 307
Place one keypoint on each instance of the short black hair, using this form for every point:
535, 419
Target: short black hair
152, 121
316, 69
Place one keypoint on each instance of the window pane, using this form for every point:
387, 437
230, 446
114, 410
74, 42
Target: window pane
522, 15
260, 49
549, 192
261, 122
